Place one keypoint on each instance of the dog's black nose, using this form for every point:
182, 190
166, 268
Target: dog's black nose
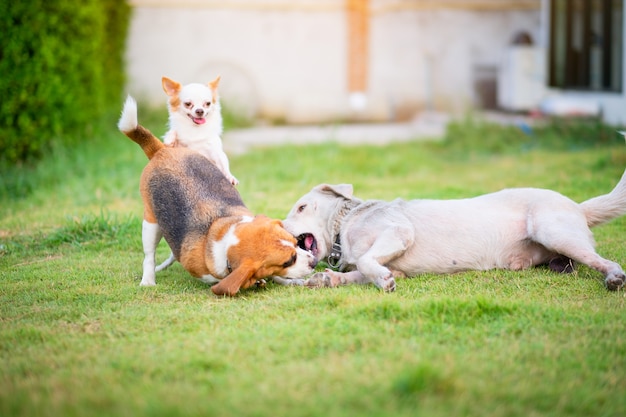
199, 112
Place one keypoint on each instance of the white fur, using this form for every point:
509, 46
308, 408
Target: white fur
183, 128
209, 279
150, 236
203, 138
510, 229
301, 268
128, 120
303, 264
220, 250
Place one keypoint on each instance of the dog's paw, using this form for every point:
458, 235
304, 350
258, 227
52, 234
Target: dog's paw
328, 278
318, 280
387, 283
562, 265
615, 280
390, 285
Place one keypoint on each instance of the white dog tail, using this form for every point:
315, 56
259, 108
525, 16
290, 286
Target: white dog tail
130, 127
606, 207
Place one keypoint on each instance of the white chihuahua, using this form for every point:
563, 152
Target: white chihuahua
195, 121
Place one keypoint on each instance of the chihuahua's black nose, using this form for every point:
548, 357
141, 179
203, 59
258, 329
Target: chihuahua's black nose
199, 112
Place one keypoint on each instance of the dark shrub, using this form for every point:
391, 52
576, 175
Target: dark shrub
62, 70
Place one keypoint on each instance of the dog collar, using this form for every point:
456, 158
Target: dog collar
334, 259
229, 267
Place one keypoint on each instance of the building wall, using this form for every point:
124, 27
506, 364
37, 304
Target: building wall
289, 59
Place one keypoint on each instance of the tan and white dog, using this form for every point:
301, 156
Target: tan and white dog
211, 233
195, 121
377, 241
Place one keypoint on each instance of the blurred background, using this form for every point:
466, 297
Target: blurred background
67, 65
311, 61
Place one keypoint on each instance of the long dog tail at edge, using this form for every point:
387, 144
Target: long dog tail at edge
129, 126
606, 207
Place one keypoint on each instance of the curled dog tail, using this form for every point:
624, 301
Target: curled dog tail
130, 127
606, 207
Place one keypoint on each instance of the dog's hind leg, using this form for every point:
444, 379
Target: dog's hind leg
572, 238
614, 277
150, 236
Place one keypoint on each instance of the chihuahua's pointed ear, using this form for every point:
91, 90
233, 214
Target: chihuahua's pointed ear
237, 279
213, 84
170, 87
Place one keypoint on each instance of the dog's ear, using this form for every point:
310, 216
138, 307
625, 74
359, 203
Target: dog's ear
213, 84
269, 223
342, 190
170, 87
277, 222
235, 280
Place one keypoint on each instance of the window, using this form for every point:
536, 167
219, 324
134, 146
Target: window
586, 45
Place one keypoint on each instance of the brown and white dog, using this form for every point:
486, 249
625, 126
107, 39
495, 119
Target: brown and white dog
203, 219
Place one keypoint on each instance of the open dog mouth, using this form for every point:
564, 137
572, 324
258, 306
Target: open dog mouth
198, 120
308, 242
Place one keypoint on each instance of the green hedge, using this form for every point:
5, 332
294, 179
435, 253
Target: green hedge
61, 71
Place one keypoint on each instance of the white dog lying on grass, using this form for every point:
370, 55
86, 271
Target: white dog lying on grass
515, 229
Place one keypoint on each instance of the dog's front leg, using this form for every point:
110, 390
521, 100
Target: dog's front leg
224, 166
389, 245
376, 273
150, 236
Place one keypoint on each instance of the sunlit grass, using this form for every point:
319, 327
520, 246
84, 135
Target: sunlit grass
79, 337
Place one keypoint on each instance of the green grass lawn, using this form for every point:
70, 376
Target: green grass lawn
79, 337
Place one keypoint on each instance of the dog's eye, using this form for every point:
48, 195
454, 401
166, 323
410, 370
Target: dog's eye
291, 261
301, 208
207, 104
188, 104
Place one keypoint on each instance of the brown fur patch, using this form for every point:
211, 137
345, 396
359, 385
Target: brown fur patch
174, 103
213, 85
149, 143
